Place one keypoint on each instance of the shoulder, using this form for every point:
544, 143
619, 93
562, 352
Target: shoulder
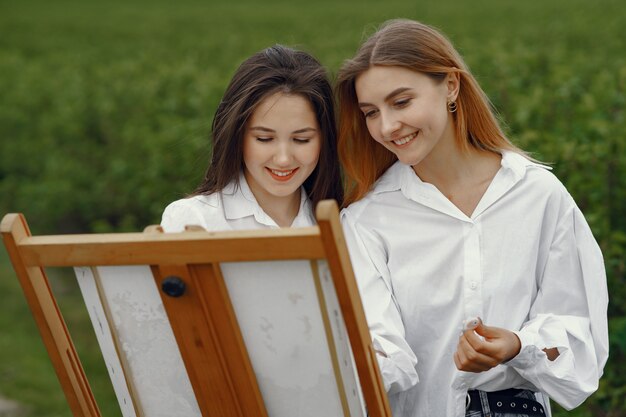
544, 181
538, 178
194, 203
196, 210
540, 187
391, 181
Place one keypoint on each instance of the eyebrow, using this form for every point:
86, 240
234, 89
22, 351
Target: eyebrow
267, 129
389, 96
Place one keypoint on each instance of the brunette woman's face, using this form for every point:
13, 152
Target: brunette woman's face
281, 146
406, 111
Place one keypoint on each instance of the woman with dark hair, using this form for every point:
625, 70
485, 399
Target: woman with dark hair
274, 148
449, 223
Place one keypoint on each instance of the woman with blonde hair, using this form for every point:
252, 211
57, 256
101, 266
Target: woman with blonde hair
483, 286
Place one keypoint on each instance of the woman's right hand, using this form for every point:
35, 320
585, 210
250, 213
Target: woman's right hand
485, 347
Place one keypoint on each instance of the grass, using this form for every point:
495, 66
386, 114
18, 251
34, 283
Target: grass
26, 373
105, 109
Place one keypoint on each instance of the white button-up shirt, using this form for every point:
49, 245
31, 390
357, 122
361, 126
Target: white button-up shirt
525, 261
234, 208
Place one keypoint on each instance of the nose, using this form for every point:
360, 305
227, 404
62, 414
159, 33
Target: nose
283, 155
389, 125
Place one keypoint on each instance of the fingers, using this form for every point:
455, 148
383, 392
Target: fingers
470, 355
487, 332
471, 323
501, 344
485, 347
475, 364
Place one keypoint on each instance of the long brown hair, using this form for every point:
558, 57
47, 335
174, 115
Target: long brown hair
272, 70
418, 47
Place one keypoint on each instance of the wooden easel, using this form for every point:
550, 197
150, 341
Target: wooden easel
187, 270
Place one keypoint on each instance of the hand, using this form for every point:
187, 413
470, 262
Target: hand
478, 354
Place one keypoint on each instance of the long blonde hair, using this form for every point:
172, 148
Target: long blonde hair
419, 47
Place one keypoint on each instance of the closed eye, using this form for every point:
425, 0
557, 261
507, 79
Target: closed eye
264, 139
370, 113
301, 140
402, 103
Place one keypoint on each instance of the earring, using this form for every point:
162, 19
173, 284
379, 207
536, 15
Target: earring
452, 106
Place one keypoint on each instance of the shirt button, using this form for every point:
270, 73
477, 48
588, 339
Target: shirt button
473, 285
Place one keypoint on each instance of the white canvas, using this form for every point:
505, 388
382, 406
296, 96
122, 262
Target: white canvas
280, 316
156, 370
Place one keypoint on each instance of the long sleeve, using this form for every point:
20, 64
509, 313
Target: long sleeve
179, 214
569, 313
397, 365
203, 211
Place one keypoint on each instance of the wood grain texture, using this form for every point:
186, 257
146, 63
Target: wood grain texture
210, 343
178, 248
49, 321
338, 259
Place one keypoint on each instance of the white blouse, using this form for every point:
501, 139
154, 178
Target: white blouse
234, 208
525, 260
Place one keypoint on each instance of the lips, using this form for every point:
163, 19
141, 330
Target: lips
403, 141
282, 174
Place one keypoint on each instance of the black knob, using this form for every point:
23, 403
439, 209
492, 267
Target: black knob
173, 286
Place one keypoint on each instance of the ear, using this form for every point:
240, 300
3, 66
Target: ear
453, 83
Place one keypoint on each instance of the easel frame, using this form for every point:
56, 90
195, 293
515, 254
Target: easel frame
191, 257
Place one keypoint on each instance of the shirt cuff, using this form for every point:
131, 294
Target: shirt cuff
529, 353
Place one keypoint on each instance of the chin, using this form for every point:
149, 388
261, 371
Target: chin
410, 161
283, 192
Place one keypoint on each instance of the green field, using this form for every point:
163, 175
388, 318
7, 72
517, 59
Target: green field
105, 111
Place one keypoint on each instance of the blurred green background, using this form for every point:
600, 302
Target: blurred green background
105, 112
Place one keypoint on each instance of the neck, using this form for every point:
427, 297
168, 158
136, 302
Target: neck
282, 209
462, 177
447, 166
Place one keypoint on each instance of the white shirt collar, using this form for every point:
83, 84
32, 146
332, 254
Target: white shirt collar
238, 200
401, 177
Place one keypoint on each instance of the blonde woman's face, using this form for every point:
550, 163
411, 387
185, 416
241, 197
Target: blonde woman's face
406, 111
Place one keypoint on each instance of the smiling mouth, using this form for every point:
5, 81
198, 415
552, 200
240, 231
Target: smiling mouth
282, 175
406, 139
